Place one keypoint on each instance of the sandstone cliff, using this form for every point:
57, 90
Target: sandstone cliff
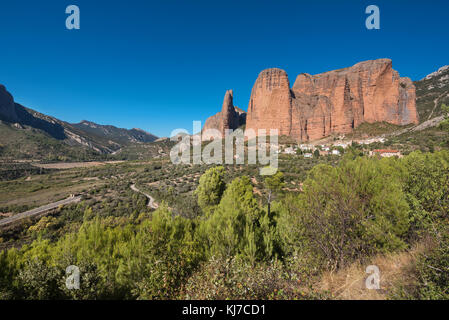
332, 102
229, 117
270, 105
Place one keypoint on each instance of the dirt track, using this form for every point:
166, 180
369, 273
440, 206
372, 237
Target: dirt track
151, 202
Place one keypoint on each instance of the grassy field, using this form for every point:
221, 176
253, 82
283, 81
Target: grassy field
36, 190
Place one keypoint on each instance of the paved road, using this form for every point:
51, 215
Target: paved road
151, 202
38, 211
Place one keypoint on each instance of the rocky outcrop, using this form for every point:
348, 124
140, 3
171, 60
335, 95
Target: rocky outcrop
437, 73
241, 114
7, 106
332, 102
270, 104
229, 117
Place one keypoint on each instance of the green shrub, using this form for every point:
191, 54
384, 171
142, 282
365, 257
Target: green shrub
345, 212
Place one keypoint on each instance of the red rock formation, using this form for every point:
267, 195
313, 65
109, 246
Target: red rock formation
230, 117
332, 102
270, 102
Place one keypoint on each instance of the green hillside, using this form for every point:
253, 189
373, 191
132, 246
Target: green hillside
431, 93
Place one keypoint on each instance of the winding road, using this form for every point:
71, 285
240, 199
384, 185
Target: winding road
151, 202
72, 199
38, 211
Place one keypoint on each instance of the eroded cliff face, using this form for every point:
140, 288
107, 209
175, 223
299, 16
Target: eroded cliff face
332, 102
370, 91
229, 117
270, 104
317, 106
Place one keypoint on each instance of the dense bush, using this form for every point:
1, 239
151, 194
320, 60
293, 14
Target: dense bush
150, 260
222, 279
345, 212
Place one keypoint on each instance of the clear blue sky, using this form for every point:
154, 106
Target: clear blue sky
159, 65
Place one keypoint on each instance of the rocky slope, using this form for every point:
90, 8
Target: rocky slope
432, 92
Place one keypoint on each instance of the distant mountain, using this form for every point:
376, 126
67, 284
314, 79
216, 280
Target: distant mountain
119, 135
26, 133
431, 93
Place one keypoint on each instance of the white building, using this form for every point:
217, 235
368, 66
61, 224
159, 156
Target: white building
306, 147
289, 150
308, 155
335, 152
341, 144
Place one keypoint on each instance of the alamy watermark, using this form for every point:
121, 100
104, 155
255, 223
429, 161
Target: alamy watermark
373, 20
211, 146
372, 282
73, 20
72, 282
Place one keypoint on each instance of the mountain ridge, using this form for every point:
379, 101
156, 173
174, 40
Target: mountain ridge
28, 125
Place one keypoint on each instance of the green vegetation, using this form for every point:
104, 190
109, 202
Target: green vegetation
431, 95
210, 188
346, 212
444, 125
31, 143
374, 129
228, 233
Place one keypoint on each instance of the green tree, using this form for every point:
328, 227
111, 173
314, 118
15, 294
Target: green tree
233, 228
210, 189
273, 185
163, 255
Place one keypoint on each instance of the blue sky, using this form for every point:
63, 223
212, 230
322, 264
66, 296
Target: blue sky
159, 65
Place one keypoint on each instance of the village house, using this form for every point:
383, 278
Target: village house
289, 150
336, 152
306, 147
308, 155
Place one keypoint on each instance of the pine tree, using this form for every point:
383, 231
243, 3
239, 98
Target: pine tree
210, 189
